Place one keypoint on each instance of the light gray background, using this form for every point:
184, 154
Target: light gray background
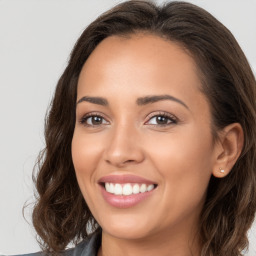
36, 37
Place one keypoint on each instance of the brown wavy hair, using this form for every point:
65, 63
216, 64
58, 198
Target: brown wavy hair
61, 215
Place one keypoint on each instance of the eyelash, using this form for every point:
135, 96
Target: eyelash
173, 120
87, 116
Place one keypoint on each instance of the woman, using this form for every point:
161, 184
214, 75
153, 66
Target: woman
150, 139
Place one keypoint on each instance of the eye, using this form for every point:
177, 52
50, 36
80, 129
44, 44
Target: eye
162, 119
93, 120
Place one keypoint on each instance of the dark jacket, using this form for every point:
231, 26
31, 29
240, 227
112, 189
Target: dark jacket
88, 247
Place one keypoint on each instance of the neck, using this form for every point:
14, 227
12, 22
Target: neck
170, 243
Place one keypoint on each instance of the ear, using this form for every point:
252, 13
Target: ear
228, 149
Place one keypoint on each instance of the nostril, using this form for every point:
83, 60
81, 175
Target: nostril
128, 161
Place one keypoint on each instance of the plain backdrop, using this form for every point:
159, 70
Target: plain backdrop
36, 37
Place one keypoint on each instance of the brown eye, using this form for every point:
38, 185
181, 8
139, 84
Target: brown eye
96, 120
93, 120
162, 120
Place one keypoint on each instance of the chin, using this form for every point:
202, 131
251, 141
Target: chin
128, 228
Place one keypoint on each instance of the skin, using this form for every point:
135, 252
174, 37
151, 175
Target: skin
179, 157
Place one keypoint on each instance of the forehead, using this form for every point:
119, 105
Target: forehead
139, 65
138, 57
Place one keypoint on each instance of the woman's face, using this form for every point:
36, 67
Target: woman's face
141, 119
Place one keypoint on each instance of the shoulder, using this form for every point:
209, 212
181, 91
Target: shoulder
88, 247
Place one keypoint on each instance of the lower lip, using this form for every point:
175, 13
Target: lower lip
125, 201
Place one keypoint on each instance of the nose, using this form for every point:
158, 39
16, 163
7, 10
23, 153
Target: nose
124, 147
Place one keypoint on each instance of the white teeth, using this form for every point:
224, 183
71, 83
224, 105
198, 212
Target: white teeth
111, 188
118, 190
136, 189
127, 189
150, 187
143, 188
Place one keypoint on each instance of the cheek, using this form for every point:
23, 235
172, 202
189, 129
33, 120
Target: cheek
184, 162
182, 151
86, 150
86, 156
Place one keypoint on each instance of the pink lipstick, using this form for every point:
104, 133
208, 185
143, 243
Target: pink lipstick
123, 191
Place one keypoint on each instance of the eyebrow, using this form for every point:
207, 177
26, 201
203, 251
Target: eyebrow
95, 100
155, 98
140, 101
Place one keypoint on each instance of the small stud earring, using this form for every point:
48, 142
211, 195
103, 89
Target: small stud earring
222, 170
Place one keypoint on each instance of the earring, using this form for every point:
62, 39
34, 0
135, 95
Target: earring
222, 170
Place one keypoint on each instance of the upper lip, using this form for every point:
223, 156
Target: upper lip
125, 178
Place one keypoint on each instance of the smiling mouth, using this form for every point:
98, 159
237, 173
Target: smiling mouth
127, 189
